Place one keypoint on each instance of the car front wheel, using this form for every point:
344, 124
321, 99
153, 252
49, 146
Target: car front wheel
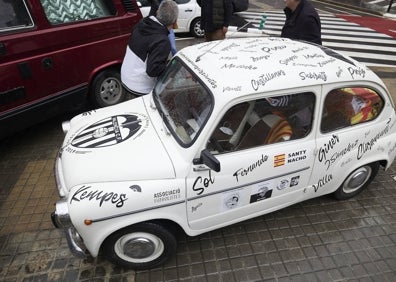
357, 181
141, 246
107, 89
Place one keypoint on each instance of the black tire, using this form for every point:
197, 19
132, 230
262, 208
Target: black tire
106, 89
149, 245
357, 181
195, 28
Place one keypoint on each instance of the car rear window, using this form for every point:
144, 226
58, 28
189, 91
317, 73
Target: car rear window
346, 107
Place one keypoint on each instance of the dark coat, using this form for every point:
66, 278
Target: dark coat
150, 41
303, 23
215, 14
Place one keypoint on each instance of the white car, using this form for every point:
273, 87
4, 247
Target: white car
189, 19
233, 129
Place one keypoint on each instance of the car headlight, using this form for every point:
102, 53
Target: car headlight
65, 126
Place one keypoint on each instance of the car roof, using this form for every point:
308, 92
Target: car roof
241, 66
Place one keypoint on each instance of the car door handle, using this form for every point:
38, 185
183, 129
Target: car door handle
47, 63
188, 10
201, 168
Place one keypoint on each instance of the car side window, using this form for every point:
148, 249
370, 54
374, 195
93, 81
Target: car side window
14, 15
262, 122
58, 12
344, 107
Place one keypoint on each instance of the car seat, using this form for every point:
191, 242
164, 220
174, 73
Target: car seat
270, 129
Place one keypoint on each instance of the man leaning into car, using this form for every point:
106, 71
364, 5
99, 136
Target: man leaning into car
148, 50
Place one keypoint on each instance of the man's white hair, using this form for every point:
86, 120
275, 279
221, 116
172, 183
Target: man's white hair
167, 12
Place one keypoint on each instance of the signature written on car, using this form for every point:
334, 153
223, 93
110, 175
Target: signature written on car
201, 183
85, 193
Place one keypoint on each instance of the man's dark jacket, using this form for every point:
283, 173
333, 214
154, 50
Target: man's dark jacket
303, 23
215, 14
150, 40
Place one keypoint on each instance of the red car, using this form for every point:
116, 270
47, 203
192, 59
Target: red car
54, 55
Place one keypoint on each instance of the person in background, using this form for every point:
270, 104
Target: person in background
215, 18
302, 22
154, 4
148, 49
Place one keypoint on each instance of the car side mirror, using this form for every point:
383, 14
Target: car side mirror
209, 160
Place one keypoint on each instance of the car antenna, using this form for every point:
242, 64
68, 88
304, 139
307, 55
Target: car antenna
237, 30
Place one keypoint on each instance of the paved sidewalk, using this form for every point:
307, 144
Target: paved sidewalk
317, 240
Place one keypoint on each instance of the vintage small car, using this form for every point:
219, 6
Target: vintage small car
233, 129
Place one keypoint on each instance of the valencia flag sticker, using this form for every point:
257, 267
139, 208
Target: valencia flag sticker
279, 160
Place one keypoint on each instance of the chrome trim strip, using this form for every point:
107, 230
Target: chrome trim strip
137, 211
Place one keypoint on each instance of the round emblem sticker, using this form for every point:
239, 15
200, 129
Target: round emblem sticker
107, 132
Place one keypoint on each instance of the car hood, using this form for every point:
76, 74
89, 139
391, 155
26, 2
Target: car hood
117, 143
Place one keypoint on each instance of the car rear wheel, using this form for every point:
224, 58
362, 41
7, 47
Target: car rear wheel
195, 28
357, 181
141, 246
107, 89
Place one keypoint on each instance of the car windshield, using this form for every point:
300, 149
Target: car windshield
183, 102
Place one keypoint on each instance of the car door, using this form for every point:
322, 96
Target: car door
265, 150
187, 12
346, 127
20, 64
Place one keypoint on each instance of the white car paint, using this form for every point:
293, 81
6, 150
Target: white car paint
111, 176
189, 11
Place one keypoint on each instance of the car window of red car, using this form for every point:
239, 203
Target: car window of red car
13, 15
58, 12
345, 107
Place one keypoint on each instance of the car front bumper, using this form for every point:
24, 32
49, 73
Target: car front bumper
74, 240
61, 217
